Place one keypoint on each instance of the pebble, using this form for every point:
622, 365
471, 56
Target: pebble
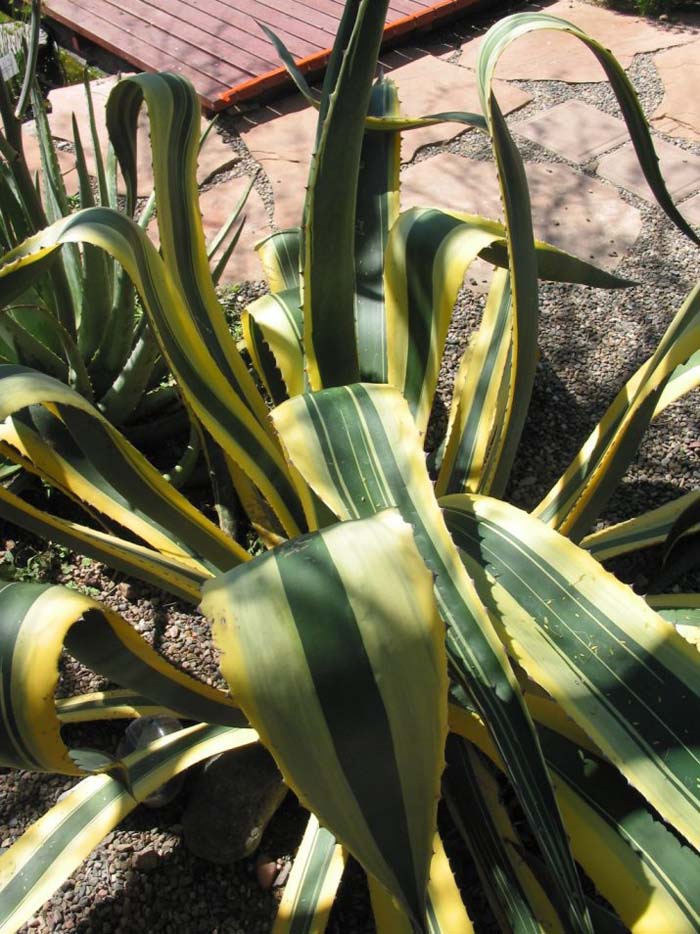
146, 860
265, 871
283, 874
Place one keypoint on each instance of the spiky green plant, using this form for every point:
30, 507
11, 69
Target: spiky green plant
81, 322
397, 620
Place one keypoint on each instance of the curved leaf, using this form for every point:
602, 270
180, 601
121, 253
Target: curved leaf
446, 912
352, 613
98, 465
273, 329
617, 668
39, 862
39, 620
632, 858
578, 497
174, 117
483, 822
512, 27
280, 255
683, 380
145, 564
682, 610
427, 256
118, 704
478, 403
652, 528
208, 390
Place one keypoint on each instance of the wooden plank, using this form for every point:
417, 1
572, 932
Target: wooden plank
180, 49
293, 15
218, 44
163, 29
221, 22
111, 36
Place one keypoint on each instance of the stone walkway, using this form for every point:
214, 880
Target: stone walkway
586, 186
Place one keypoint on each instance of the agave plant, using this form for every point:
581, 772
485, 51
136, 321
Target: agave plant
396, 618
81, 322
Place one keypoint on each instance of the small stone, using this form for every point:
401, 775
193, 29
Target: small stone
146, 860
283, 874
265, 871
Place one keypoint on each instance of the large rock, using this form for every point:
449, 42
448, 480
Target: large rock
231, 802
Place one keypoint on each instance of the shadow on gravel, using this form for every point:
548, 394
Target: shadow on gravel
556, 427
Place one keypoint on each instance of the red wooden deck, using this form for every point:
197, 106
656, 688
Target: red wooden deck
218, 45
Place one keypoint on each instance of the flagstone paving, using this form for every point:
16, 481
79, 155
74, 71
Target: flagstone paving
284, 130
690, 210
550, 55
574, 212
216, 205
585, 204
678, 113
288, 181
574, 130
67, 101
429, 85
680, 169
281, 136
66, 160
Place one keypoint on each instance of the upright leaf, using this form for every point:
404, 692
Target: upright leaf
329, 217
376, 212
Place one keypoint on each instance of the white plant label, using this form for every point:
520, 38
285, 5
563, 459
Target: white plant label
8, 66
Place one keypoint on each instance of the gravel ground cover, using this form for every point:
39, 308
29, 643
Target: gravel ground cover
142, 877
